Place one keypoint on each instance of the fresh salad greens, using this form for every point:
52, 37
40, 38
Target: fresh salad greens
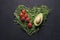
25, 17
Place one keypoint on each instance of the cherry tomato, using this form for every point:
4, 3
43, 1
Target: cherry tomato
29, 25
21, 15
23, 18
26, 15
27, 19
23, 11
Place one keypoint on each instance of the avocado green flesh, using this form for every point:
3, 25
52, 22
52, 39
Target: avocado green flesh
40, 15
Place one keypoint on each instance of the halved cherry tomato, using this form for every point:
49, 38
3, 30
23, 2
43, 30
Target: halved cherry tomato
29, 25
21, 14
27, 19
23, 11
26, 15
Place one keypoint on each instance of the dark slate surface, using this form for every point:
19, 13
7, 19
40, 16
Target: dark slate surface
11, 31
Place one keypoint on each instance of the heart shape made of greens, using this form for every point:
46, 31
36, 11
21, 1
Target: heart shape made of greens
35, 17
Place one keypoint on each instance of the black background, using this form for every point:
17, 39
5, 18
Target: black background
11, 31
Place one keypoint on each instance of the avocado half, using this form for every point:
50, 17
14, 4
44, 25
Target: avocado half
40, 15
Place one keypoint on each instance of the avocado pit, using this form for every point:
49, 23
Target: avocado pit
38, 20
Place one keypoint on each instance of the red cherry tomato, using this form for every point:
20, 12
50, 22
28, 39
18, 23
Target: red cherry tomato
21, 15
27, 19
23, 18
26, 15
23, 11
29, 25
